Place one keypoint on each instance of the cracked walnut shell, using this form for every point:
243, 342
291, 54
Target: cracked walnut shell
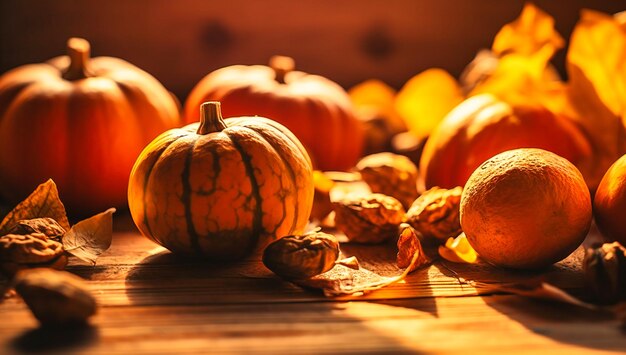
34, 248
605, 271
373, 218
390, 174
48, 226
302, 256
435, 214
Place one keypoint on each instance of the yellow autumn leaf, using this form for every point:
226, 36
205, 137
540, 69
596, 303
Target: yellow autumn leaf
596, 92
426, 99
531, 32
598, 49
373, 93
458, 250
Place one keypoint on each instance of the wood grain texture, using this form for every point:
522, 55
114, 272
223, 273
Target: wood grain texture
152, 302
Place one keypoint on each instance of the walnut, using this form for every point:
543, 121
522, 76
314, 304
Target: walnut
435, 214
47, 226
55, 297
302, 256
390, 174
31, 250
605, 272
373, 218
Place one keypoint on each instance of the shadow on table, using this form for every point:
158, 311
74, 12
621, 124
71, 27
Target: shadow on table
564, 323
57, 339
249, 301
561, 322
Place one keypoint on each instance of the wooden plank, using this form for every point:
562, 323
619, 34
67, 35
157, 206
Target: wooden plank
467, 324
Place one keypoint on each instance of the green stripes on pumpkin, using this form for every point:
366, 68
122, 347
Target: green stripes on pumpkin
145, 187
186, 200
291, 173
257, 221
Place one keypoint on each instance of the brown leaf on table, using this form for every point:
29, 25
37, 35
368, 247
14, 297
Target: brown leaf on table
89, 238
347, 281
43, 202
409, 245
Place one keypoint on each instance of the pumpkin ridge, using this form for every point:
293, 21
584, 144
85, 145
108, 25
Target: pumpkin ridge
145, 187
257, 221
292, 175
186, 200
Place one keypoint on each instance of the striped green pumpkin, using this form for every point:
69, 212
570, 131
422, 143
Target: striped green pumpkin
221, 189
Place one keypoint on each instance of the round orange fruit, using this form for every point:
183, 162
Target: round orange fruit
525, 209
609, 204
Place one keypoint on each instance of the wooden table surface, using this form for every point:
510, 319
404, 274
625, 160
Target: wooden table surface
151, 302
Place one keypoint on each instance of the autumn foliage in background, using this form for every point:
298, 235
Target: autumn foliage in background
517, 71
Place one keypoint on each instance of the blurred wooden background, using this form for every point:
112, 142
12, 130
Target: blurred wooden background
349, 41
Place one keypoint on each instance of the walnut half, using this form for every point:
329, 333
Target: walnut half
435, 214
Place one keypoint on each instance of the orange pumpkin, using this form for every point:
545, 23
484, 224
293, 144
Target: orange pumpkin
221, 188
81, 122
609, 204
315, 109
483, 126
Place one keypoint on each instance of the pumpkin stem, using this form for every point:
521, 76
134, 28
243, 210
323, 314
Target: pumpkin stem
281, 66
211, 118
78, 50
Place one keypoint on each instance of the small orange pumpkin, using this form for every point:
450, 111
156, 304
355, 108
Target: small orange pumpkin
81, 122
315, 109
483, 126
221, 188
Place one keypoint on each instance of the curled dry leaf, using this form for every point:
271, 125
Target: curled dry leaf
346, 281
47, 226
390, 174
43, 202
89, 238
369, 219
55, 297
605, 272
458, 250
408, 246
302, 256
435, 214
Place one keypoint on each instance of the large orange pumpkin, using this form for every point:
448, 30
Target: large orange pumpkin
221, 188
81, 122
483, 126
315, 109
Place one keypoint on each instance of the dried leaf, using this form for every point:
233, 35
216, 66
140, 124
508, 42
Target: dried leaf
89, 238
43, 202
408, 246
346, 281
528, 34
351, 262
426, 99
458, 250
